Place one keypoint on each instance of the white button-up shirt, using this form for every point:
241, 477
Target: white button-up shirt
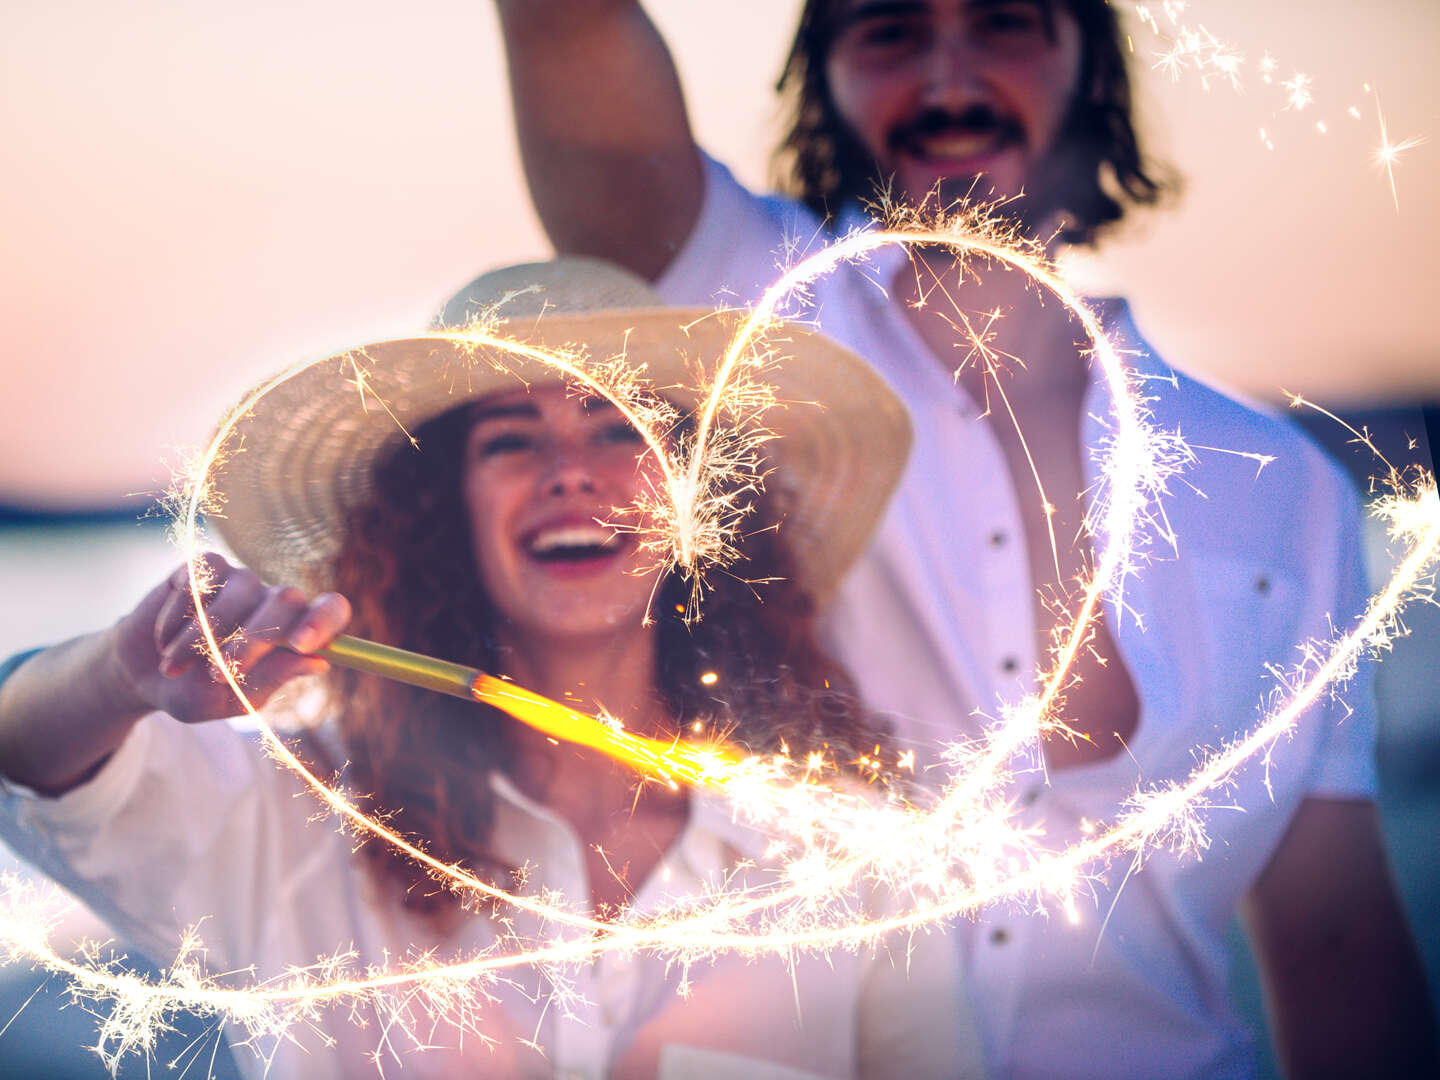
194, 825
936, 624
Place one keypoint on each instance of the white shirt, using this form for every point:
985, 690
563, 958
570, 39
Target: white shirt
936, 622
188, 826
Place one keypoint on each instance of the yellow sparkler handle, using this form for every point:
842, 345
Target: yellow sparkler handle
672, 761
411, 668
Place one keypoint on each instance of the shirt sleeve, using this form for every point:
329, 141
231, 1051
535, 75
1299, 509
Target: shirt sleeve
740, 244
1343, 766
10, 666
184, 826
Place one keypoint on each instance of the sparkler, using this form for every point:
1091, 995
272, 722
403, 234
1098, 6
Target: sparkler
672, 762
941, 860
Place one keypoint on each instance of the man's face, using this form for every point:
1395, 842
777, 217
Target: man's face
948, 91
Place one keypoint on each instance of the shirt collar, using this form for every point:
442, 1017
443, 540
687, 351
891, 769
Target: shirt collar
1113, 311
887, 261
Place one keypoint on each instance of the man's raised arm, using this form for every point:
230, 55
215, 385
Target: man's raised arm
612, 167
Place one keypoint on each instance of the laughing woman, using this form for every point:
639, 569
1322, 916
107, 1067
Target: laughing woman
483, 546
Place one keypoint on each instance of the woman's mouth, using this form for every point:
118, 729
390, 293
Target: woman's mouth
573, 547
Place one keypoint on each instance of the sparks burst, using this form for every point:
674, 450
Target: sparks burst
834, 839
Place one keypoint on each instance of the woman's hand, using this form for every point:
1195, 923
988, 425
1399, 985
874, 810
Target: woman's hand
264, 632
65, 710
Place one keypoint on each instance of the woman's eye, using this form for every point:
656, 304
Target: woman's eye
619, 433
508, 443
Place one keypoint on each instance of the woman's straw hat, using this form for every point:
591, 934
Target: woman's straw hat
305, 452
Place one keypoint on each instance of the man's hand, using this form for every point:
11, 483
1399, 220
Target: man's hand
264, 632
1344, 986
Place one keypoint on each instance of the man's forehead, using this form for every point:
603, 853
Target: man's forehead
852, 10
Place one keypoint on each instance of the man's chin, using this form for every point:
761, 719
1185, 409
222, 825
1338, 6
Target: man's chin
949, 191
1035, 216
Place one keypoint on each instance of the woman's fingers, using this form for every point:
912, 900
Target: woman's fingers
262, 653
232, 605
213, 571
266, 627
263, 631
319, 624
274, 670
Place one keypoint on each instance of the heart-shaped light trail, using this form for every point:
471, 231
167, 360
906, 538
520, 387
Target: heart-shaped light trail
939, 861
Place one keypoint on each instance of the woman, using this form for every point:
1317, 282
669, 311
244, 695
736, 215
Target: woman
483, 546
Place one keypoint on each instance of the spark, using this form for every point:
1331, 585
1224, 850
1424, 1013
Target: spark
939, 858
1192, 48
1387, 153
1298, 93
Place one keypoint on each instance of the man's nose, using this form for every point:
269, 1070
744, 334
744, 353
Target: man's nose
953, 73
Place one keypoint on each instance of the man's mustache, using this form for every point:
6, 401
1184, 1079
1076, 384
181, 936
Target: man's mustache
976, 120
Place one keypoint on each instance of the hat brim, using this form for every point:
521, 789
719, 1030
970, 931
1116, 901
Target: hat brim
304, 453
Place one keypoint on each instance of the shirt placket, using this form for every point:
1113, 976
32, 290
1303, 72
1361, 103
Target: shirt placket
582, 1042
576, 1033
976, 516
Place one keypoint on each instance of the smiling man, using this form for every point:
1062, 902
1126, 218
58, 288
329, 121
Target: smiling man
955, 606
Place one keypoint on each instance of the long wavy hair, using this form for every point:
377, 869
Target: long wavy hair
1098, 160
421, 759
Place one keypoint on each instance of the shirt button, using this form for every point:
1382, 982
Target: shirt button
1009, 665
999, 936
1030, 795
998, 538
1262, 585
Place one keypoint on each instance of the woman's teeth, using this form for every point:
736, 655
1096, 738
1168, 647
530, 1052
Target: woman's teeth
572, 542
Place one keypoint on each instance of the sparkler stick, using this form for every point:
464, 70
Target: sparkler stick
672, 762
411, 668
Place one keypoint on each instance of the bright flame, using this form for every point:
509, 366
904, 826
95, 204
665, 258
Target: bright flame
677, 760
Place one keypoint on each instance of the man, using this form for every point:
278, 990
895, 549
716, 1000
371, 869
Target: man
956, 604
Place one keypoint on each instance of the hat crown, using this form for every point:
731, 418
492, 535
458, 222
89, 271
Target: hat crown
569, 285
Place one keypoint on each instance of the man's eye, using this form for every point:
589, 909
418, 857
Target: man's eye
508, 443
886, 33
1012, 19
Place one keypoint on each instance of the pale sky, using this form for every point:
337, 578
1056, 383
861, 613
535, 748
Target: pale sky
196, 195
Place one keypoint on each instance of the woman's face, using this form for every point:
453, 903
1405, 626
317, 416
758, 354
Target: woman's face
543, 468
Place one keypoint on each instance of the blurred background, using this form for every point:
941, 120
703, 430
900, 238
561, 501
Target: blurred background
196, 194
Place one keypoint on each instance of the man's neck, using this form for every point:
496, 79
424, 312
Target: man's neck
993, 327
